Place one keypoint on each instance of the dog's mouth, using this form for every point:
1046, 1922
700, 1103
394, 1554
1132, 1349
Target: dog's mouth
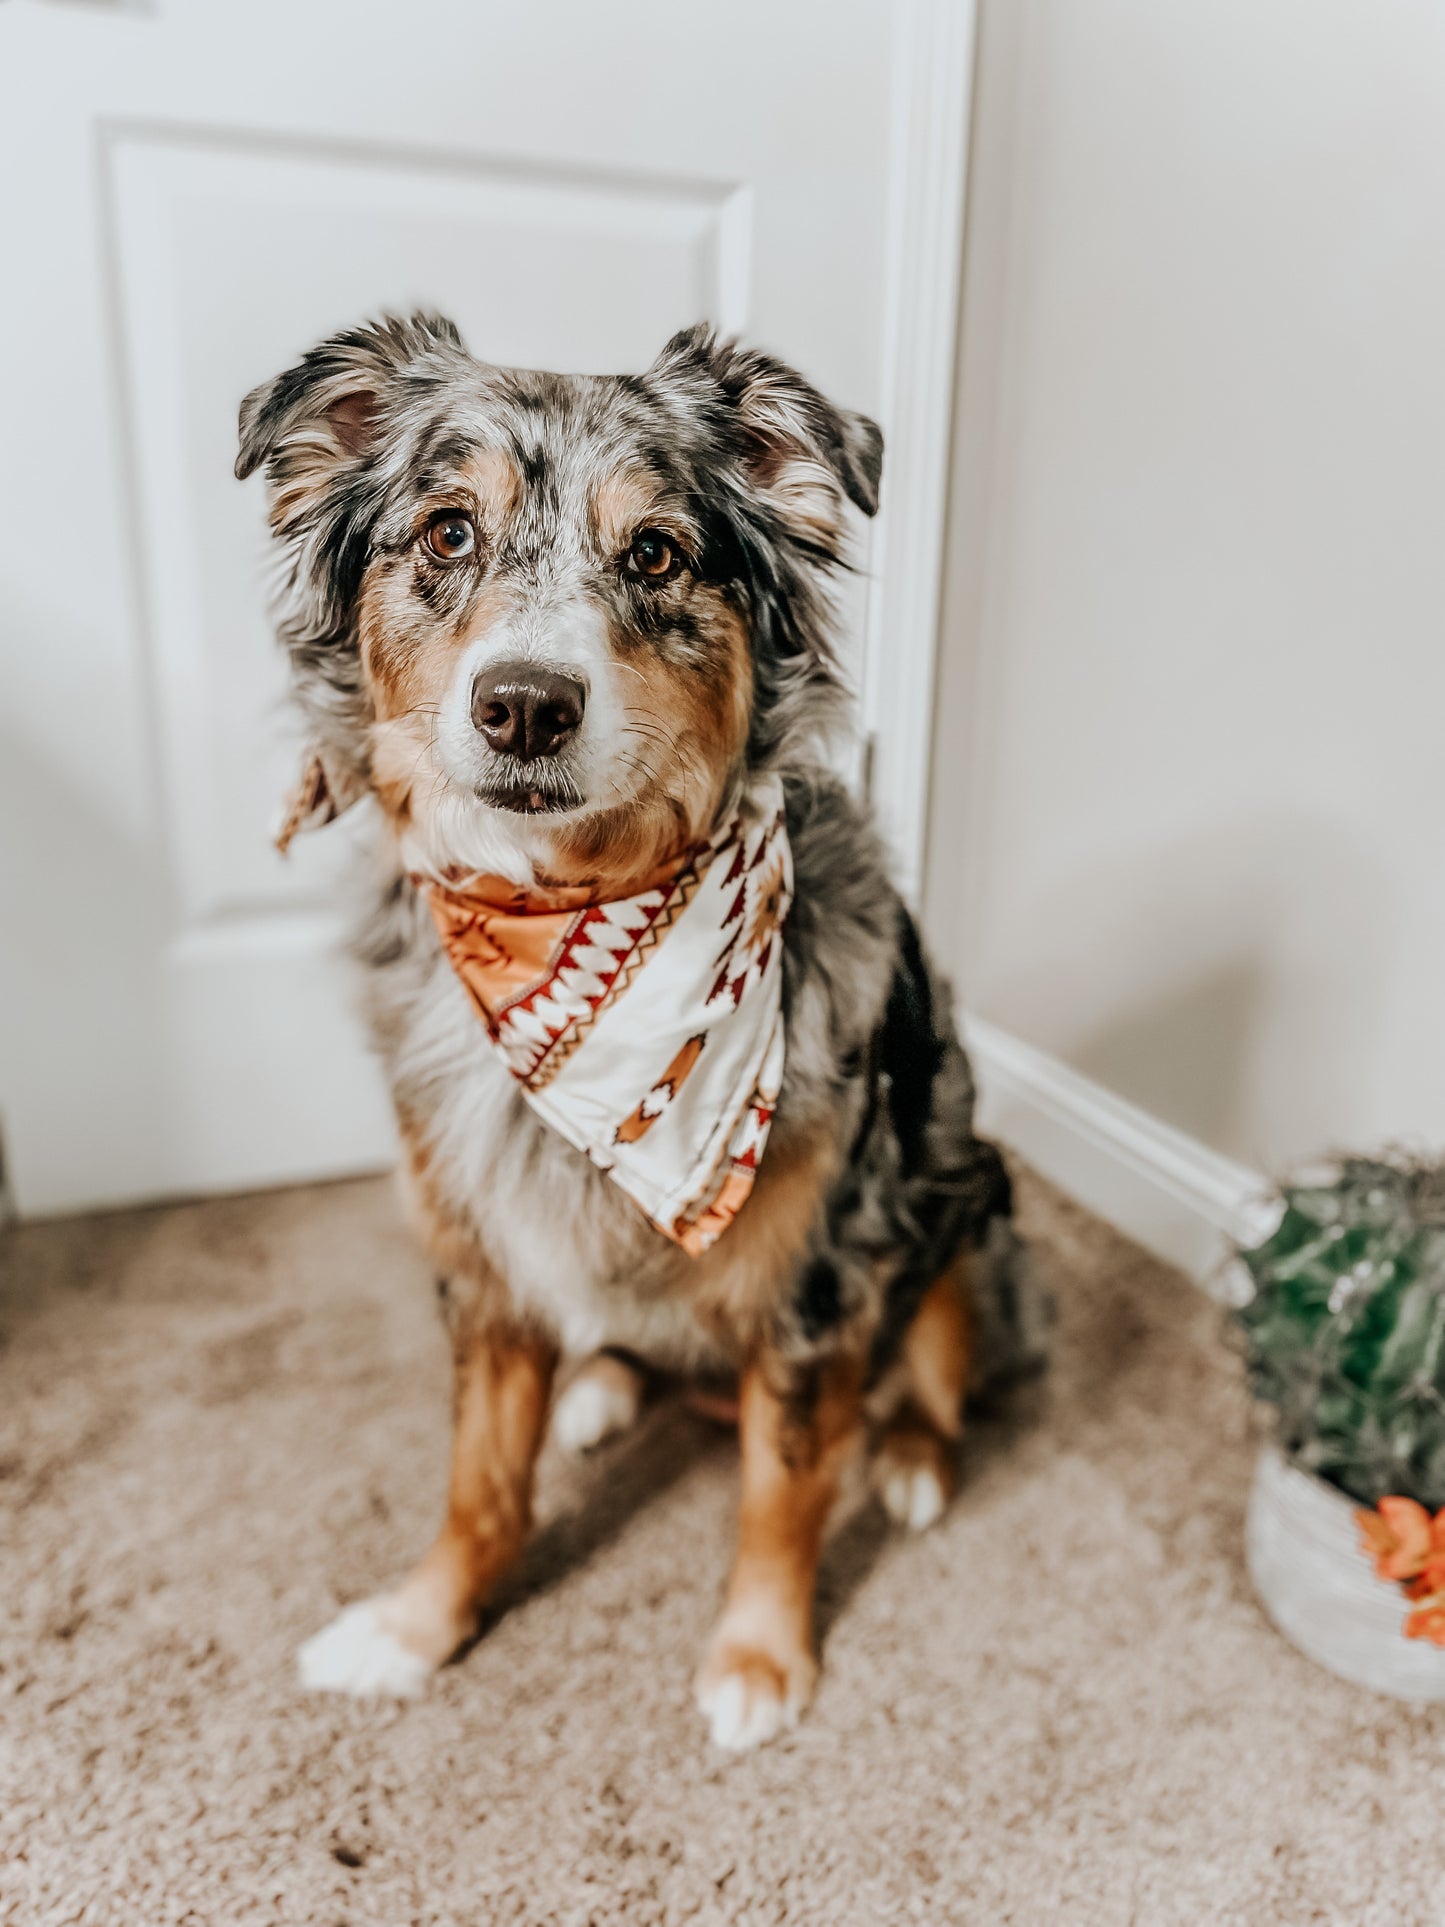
522, 799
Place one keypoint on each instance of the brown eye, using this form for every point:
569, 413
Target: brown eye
451, 535
653, 556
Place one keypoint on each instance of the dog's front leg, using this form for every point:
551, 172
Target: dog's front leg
798, 1425
392, 1643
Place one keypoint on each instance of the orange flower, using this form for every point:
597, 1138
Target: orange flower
1399, 1536
1408, 1545
1428, 1621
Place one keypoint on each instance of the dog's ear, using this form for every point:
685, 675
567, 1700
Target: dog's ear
314, 429
327, 409
799, 449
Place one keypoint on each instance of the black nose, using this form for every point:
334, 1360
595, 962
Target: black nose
525, 711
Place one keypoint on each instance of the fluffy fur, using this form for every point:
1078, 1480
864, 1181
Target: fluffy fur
876, 1249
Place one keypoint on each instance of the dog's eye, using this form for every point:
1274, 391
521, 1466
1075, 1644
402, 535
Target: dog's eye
653, 556
451, 535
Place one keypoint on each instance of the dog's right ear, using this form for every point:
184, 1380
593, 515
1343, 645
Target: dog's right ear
314, 430
329, 407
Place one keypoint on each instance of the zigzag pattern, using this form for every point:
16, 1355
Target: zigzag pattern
682, 894
600, 952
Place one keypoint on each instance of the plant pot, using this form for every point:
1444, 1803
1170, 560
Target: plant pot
1321, 1590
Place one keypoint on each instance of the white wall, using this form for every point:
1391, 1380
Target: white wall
1188, 814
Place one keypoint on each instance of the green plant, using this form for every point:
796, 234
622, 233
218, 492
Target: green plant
1345, 1333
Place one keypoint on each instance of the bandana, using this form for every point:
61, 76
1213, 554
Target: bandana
647, 1031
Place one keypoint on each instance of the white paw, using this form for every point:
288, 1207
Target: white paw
912, 1495
751, 1701
356, 1654
594, 1407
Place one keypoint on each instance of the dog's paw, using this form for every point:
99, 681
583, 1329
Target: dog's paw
358, 1654
913, 1476
747, 1697
913, 1495
603, 1399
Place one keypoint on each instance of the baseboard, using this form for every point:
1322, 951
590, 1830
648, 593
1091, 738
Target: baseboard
1166, 1190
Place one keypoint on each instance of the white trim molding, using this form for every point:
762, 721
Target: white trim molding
932, 96
1164, 1189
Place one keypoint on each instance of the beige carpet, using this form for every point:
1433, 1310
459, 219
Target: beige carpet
219, 1421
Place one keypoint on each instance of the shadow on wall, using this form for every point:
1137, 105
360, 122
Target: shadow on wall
1184, 1054
1230, 983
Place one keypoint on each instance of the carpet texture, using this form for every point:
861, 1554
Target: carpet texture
219, 1421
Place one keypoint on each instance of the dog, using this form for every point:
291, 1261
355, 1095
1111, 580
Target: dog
562, 632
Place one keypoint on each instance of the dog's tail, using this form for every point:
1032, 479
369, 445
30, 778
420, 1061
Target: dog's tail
1013, 1306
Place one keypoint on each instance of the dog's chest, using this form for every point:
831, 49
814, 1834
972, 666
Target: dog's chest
571, 1248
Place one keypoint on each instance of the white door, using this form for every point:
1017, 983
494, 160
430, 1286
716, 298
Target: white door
191, 192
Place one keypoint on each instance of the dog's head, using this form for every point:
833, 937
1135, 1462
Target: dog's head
554, 620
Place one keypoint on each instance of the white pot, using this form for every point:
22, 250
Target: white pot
1321, 1590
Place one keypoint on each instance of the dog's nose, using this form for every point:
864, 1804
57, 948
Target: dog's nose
525, 711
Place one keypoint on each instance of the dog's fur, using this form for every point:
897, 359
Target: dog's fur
876, 1245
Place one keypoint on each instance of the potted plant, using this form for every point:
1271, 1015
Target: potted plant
1344, 1335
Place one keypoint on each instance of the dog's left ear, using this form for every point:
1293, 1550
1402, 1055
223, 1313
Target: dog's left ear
799, 448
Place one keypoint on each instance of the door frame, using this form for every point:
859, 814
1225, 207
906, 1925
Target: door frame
933, 68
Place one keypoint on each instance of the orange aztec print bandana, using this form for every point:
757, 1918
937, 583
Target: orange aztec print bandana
647, 1031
